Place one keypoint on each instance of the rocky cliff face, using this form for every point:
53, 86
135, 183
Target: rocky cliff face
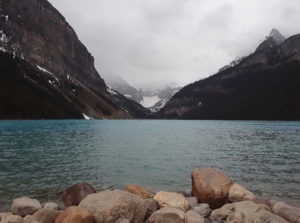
264, 85
40, 33
34, 31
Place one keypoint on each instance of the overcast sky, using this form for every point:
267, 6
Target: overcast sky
154, 41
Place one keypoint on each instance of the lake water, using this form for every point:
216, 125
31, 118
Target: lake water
41, 158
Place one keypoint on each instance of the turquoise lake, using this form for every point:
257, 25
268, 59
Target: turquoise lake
41, 158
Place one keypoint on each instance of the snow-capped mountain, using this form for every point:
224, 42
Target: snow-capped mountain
153, 98
51, 71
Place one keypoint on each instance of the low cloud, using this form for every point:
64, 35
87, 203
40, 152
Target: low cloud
152, 41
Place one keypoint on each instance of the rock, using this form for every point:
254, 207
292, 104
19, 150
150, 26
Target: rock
202, 209
25, 206
239, 193
245, 211
27, 219
74, 214
167, 215
13, 219
291, 214
111, 206
4, 215
44, 215
192, 201
151, 206
193, 217
171, 199
123, 221
211, 186
51, 205
137, 190
76, 193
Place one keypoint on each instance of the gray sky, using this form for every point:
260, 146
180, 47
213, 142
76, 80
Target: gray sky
153, 41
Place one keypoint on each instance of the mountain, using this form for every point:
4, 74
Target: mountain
42, 48
117, 83
274, 39
153, 98
262, 86
156, 98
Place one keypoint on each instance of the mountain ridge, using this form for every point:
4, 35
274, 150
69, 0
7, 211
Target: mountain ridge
227, 95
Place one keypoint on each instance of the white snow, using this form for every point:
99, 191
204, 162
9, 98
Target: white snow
128, 96
50, 82
3, 50
6, 18
149, 101
43, 69
111, 91
3, 37
86, 117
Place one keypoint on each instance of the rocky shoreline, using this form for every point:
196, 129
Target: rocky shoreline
214, 198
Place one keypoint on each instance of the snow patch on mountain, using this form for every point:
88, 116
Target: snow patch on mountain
149, 101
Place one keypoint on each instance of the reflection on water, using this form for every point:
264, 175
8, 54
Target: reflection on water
41, 158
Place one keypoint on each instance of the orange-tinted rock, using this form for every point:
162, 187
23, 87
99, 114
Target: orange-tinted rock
76, 193
211, 186
137, 190
74, 214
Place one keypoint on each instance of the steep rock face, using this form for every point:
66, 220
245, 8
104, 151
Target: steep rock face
42, 43
262, 86
40, 33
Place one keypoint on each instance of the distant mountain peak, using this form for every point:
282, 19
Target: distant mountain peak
277, 36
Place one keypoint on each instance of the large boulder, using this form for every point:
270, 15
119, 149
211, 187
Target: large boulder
44, 215
211, 186
112, 206
151, 206
74, 214
140, 191
25, 206
193, 217
171, 199
202, 209
245, 211
239, 193
76, 193
292, 214
164, 215
13, 219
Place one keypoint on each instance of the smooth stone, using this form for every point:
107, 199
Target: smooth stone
151, 206
74, 214
13, 219
44, 215
25, 206
291, 214
51, 205
4, 215
27, 218
245, 211
171, 199
167, 215
140, 191
193, 217
76, 193
211, 186
112, 206
202, 209
239, 193
192, 201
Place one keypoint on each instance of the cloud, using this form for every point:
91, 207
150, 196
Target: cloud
152, 41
